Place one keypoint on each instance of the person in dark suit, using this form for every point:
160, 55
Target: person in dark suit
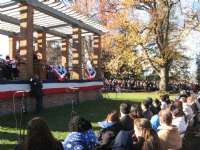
36, 91
125, 120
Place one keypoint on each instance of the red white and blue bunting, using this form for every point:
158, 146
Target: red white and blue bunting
8, 89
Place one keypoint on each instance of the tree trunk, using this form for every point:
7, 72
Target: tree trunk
164, 78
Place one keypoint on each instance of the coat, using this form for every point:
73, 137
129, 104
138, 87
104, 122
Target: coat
126, 123
169, 137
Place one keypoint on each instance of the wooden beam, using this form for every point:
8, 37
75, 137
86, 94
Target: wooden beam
7, 33
41, 43
60, 15
77, 53
65, 52
15, 21
8, 4
26, 42
57, 26
12, 47
96, 58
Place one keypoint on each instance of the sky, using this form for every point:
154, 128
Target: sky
192, 41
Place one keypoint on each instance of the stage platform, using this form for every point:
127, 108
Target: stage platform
55, 93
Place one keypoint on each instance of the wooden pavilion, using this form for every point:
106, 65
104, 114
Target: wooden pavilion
21, 19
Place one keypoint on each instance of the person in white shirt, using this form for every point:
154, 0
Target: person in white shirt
187, 109
179, 121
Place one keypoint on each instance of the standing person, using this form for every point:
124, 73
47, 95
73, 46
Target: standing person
14, 70
36, 91
9, 68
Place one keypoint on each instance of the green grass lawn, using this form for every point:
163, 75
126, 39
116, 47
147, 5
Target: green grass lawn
58, 117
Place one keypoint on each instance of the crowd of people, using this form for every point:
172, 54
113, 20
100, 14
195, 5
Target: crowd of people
159, 124
118, 85
8, 69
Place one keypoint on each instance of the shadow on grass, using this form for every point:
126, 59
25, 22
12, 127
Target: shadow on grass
8, 136
58, 117
7, 146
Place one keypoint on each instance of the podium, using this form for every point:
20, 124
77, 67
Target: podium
74, 90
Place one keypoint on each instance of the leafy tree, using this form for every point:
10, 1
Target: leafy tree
160, 36
198, 68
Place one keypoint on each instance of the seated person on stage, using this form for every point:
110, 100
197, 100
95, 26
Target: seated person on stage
39, 137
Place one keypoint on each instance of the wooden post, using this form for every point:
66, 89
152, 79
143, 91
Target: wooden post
12, 47
65, 52
26, 41
77, 52
41, 51
97, 56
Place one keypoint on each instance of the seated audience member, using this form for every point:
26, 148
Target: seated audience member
167, 99
39, 137
135, 112
198, 103
110, 124
90, 136
123, 141
125, 119
106, 142
191, 102
157, 105
187, 109
163, 102
197, 117
183, 94
168, 134
81, 137
178, 104
145, 137
179, 120
152, 108
145, 110
155, 122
